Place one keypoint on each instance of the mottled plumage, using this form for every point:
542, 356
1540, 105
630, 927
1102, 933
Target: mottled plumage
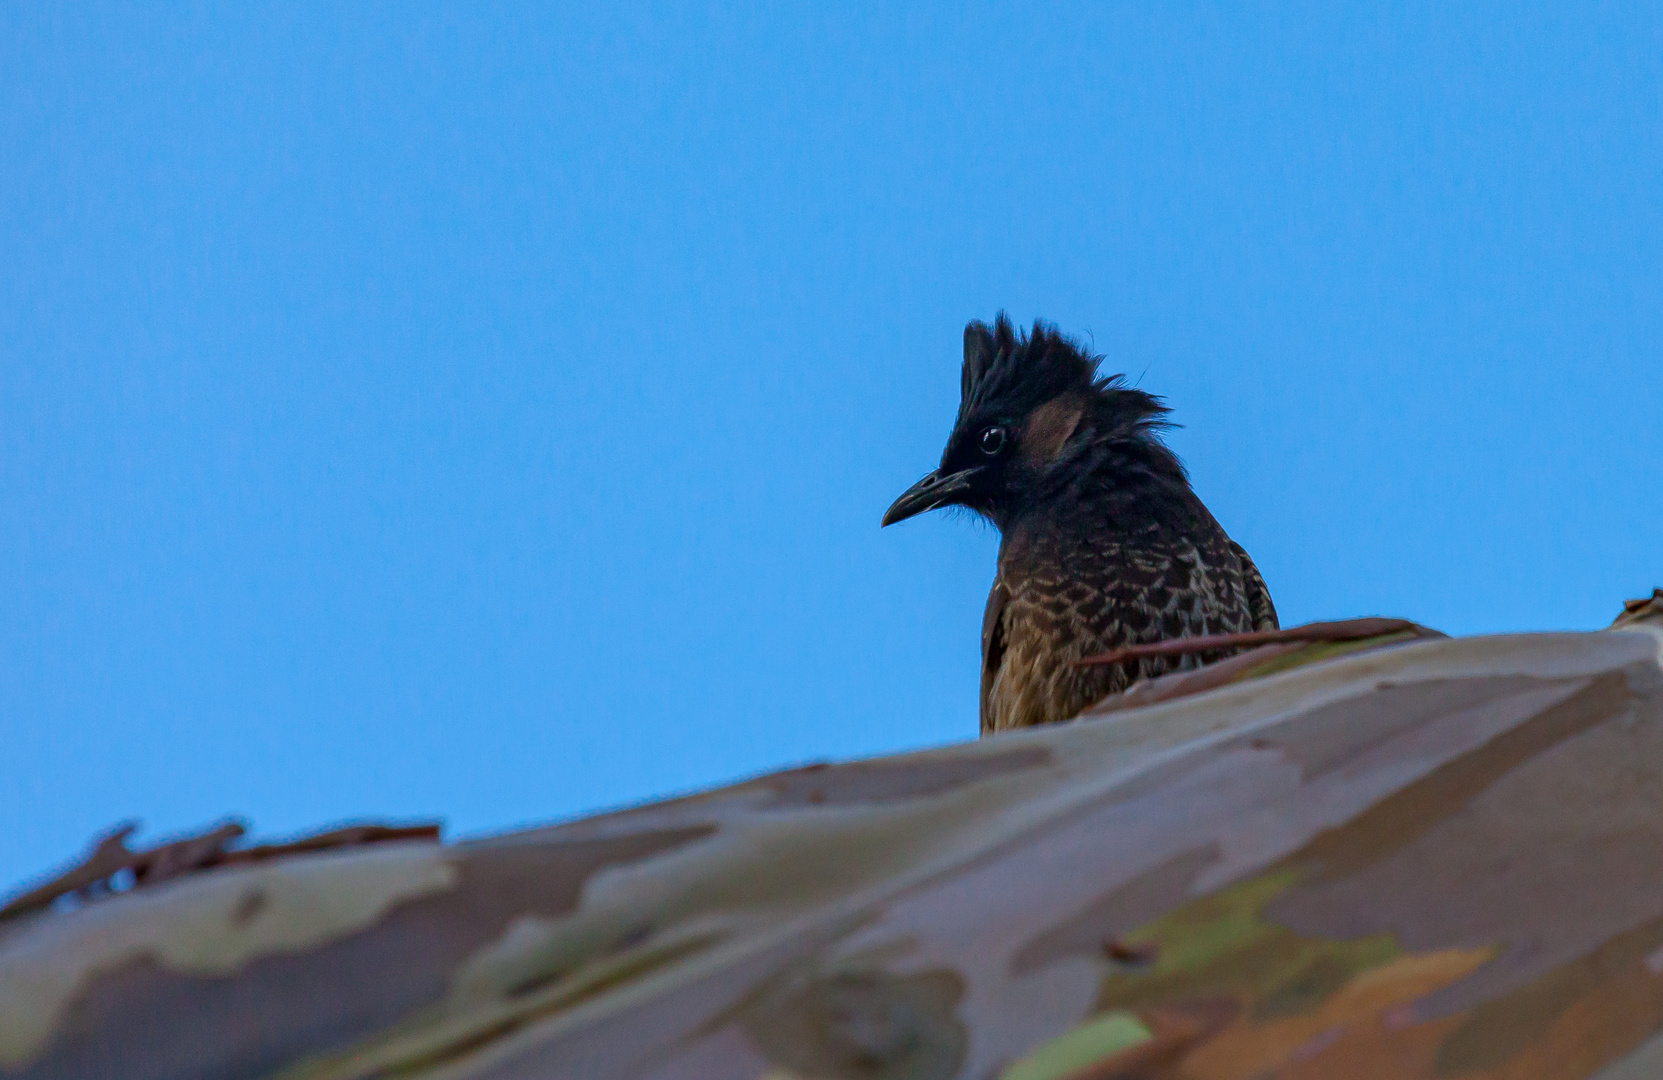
1104, 542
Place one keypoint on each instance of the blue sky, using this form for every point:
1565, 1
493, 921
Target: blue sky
486, 412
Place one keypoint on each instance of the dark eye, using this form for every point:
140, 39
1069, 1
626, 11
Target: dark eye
991, 440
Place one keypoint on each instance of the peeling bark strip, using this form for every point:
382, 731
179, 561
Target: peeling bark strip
1647, 607
110, 857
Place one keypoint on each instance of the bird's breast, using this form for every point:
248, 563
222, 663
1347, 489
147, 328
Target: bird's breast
1068, 602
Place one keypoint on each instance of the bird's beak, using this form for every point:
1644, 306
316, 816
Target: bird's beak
932, 491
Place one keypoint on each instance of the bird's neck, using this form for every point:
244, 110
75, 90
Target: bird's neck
1115, 491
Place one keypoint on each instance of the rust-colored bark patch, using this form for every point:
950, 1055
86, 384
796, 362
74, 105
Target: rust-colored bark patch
1499, 1030
1356, 1032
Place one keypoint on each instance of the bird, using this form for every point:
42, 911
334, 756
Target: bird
1103, 542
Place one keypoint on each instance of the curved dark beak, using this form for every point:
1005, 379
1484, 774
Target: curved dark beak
932, 491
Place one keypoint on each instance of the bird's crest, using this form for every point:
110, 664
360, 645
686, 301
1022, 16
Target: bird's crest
1011, 372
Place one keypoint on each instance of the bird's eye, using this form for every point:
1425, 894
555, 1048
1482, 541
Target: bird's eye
991, 440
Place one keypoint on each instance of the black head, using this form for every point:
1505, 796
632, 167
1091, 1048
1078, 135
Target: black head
1035, 421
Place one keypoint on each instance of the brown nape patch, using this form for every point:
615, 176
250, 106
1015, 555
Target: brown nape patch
1048, 429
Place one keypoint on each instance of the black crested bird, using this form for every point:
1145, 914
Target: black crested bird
1104, 544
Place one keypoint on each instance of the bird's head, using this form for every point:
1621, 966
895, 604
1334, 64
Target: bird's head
1036, 422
